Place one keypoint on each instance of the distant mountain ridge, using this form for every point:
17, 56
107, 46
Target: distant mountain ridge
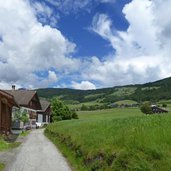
153, 91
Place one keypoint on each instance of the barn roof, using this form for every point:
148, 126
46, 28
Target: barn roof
22, 97
44, 104
10, 97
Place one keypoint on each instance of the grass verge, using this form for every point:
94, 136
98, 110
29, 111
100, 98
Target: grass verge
5, 145
25, 133
140, 143
2, 166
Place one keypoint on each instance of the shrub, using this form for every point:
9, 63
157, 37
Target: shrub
164, 105
146, 108
74, 115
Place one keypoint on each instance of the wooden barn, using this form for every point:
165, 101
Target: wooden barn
6, 103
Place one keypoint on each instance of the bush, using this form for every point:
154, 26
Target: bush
164, 105
146, 108
74, 115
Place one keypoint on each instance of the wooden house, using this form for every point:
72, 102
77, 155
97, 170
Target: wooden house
6, 103
28, 101
43, 115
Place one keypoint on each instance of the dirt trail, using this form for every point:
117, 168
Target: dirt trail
37, 153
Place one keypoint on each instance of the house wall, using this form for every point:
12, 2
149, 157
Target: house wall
5, 114
34, 103
45, 115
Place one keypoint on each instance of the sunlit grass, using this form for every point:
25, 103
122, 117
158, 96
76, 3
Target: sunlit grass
121, 139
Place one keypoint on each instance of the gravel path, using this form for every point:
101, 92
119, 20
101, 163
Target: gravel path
37, 153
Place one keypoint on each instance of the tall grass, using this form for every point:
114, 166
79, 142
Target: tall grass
140, 142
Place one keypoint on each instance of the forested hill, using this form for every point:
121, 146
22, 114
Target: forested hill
155, 91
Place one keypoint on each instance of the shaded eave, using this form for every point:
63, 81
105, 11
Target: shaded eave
10, 97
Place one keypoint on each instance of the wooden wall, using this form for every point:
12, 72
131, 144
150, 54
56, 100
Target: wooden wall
5, 114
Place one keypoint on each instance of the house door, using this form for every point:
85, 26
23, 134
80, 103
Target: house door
40, 118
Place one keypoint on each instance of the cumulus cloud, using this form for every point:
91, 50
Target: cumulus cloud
84, 85
142, 52
52, 76
27, 47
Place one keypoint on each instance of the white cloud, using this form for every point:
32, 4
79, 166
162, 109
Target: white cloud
52, 76
84, 85
5, 86
28, 47
142, 52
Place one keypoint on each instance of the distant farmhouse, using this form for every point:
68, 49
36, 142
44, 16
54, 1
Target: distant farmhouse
156, 109
26, 101
6, 103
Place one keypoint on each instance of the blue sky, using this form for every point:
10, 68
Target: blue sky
83, 44
75, 26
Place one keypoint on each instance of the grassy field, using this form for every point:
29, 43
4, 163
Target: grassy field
78, 106
117, 139
124, 91
129, 102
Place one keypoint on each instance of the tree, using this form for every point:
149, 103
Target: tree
146, 108
74, 114
84, 107
21, 116
60, 111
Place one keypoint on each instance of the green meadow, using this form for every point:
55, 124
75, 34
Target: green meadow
115, 139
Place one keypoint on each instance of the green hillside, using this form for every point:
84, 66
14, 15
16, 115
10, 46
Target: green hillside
155, 91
